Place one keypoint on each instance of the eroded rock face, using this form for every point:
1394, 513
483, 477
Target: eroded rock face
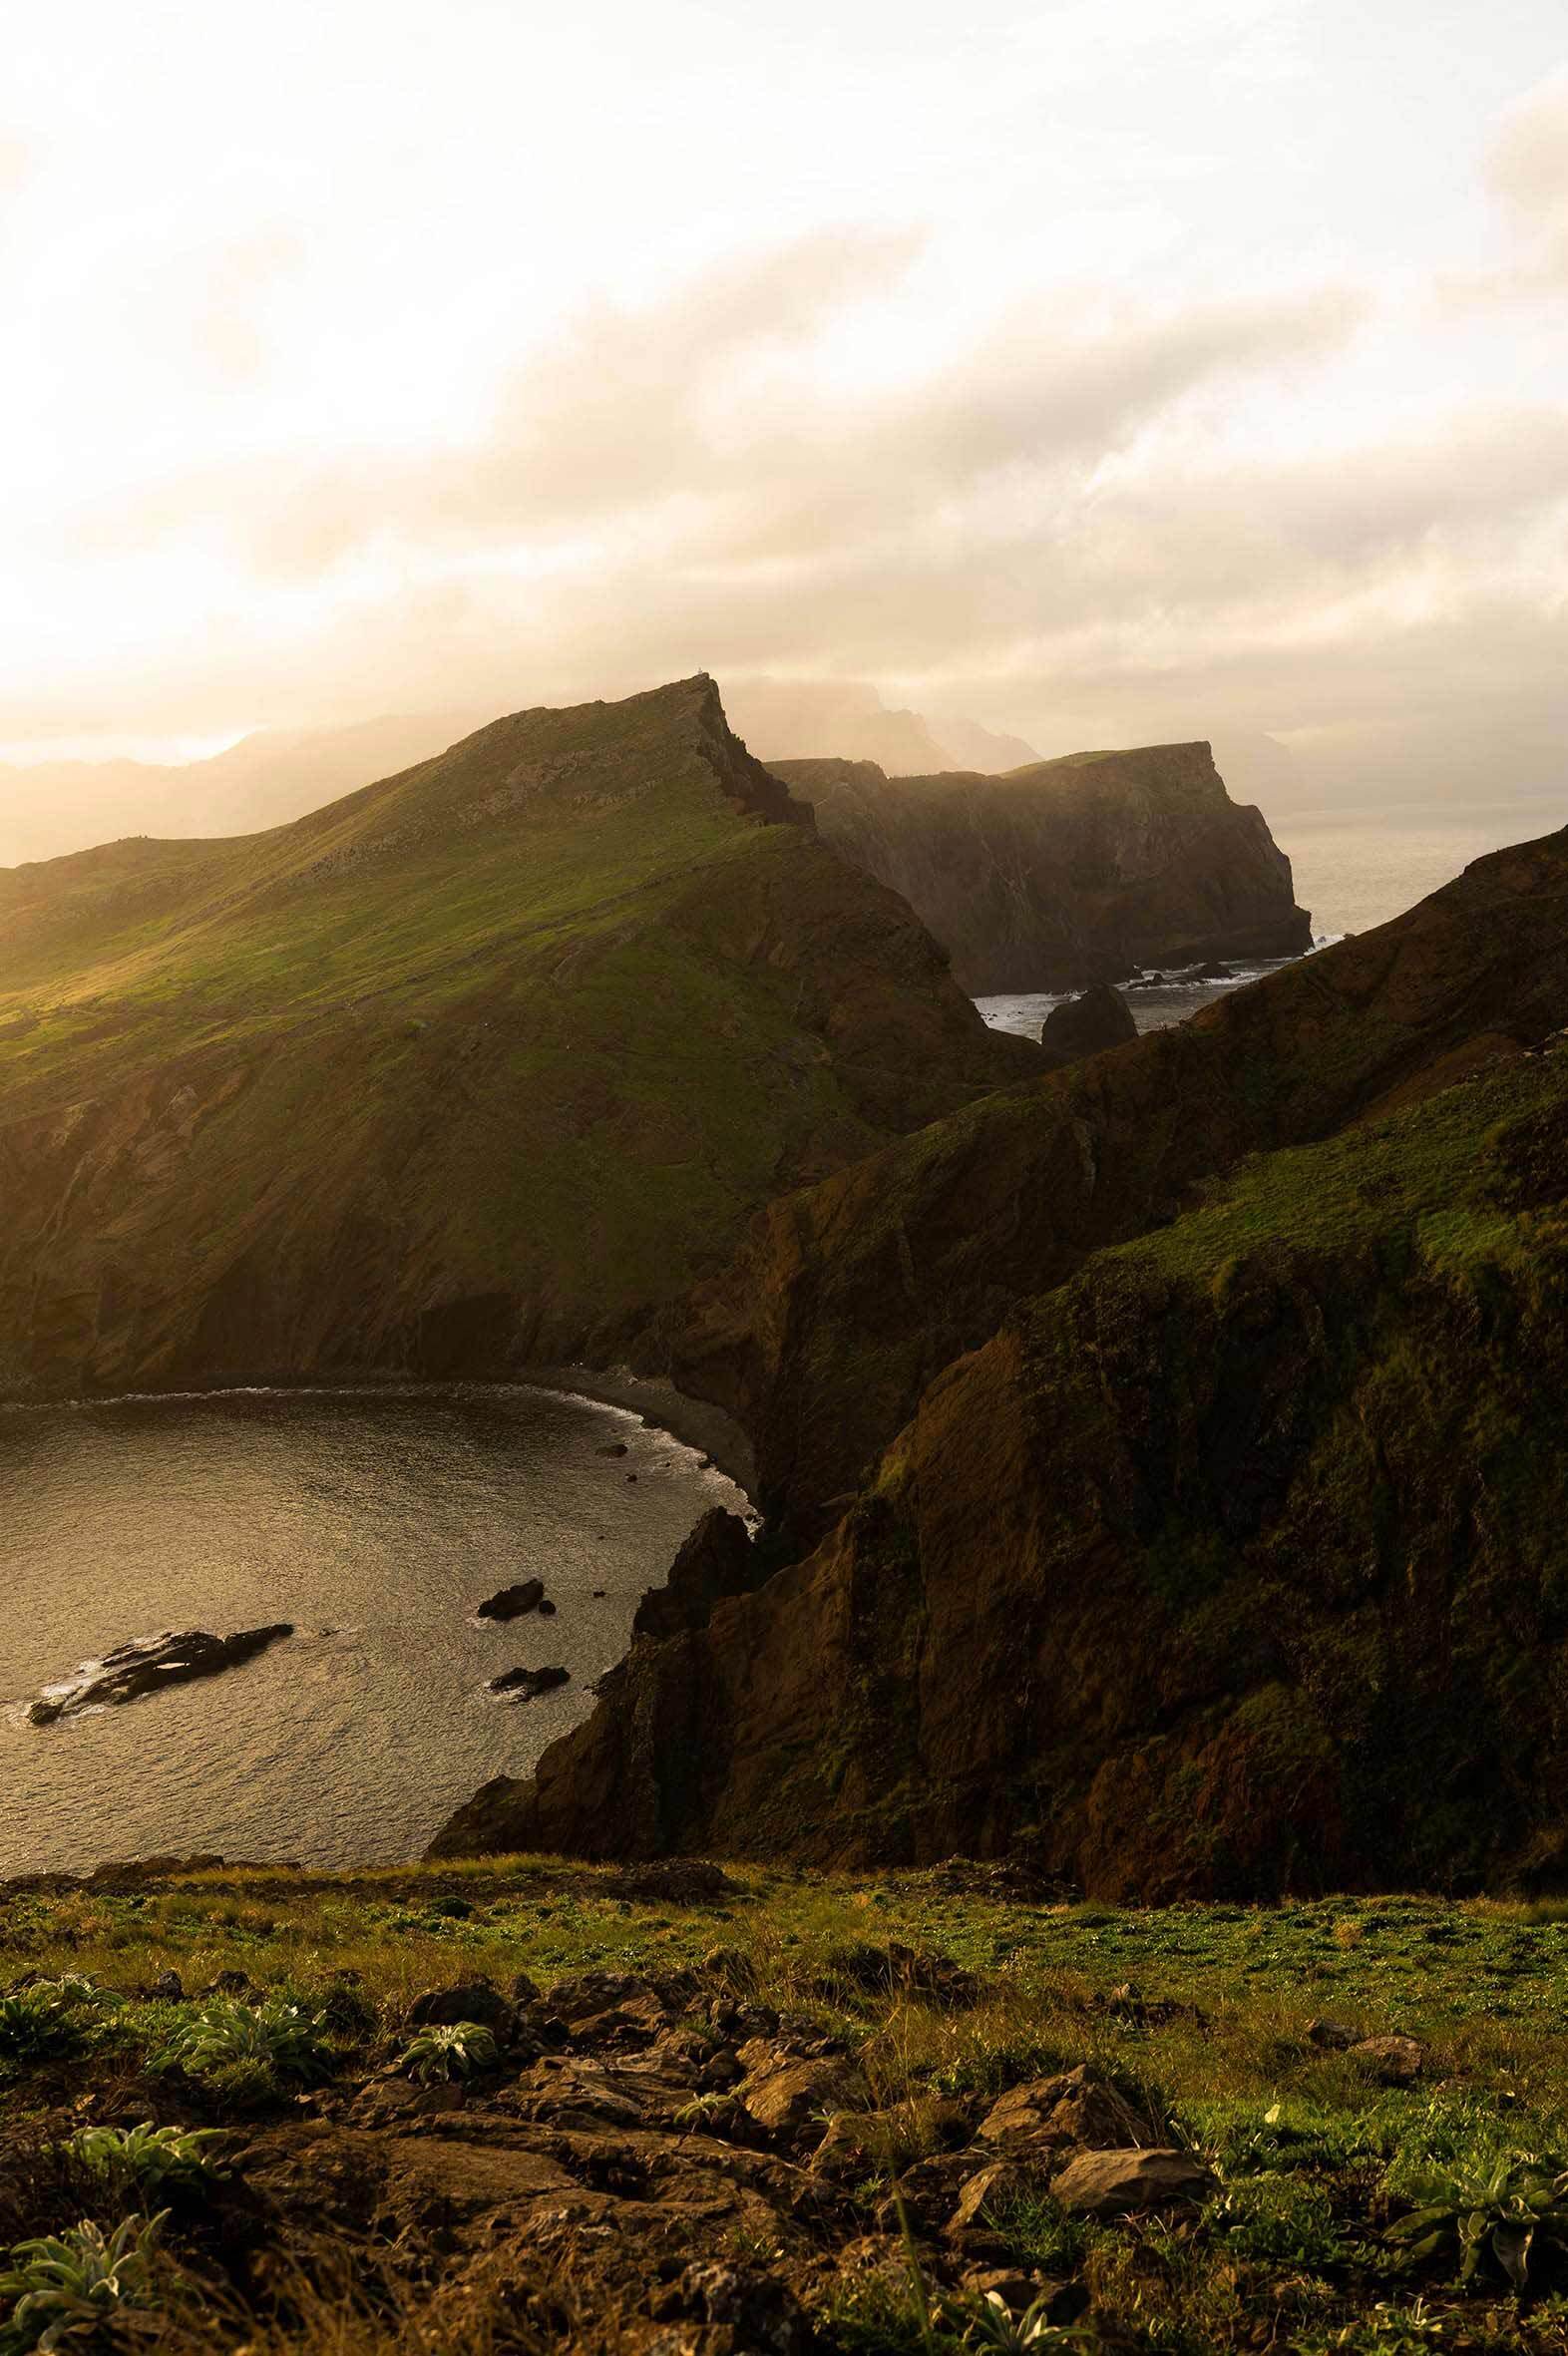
149, 1664
847, 1299
1066, 872
1192, 1582
1085, 1025
718, 1559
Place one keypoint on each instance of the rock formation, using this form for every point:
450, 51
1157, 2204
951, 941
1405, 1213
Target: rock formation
1066, 872
1085, 1025
149, 1664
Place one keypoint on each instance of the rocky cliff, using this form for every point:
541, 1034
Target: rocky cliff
1221, 1550
848, 1297
482, 1064
1066, 872
1237, 1565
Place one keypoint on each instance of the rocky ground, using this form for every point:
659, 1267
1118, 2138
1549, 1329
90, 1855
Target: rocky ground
702, 2112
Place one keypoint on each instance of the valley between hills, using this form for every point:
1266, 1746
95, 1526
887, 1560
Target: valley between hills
979, 1903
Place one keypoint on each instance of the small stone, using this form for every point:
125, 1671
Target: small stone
1110, 2184
782, 2099
1330, 2037
1392, 2061
993, 2189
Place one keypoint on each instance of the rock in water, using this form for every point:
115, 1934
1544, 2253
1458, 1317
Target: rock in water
509, 1603
1083, 1025
525, 1685
148, 1662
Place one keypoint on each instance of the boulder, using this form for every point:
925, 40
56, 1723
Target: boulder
1076, 2107
783, 2097
509, 1603
1084, 1025
989, 2192
1392, 2061
1110, 2184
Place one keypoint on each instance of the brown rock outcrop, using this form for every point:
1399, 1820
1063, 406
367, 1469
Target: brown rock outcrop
1085, 1025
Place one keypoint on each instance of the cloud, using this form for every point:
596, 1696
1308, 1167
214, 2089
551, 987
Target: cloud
1527, 175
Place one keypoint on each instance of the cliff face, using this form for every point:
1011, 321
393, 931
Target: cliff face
483, 1064
1190, 1536
1237, 1565
1066, 872
847, 1299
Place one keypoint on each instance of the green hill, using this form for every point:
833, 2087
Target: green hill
483, 1064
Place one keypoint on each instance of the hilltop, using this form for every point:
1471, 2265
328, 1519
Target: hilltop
1066, 872
482, 1064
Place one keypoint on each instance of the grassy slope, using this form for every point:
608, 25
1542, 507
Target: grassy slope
1201, 2013
532, 1026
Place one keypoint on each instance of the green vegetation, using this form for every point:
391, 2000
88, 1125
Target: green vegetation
518, 1039
1347, 2213
453, 2050
64, 2286
144, 2156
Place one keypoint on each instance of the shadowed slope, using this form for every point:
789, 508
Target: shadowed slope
846, 1300
1237, 1565
1067, 872
484, 1062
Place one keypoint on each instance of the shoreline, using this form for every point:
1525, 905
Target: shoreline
691, 1423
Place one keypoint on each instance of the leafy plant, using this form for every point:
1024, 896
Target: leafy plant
147, 2155
447, 2050
989, 2322
279, 2037
1283, 2219
49, 2018
1511, 2209
64, 2284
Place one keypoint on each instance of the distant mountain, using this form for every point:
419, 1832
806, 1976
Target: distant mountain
52, 807
796, 719
1070, 871
481, 1065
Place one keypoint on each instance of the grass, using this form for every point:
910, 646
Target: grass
1203, 2014
542, 1021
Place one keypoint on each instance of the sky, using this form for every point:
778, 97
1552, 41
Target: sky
1106, 374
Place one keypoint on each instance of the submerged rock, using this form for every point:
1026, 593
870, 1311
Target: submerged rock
509, 1603
148, 1662
523, 1685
